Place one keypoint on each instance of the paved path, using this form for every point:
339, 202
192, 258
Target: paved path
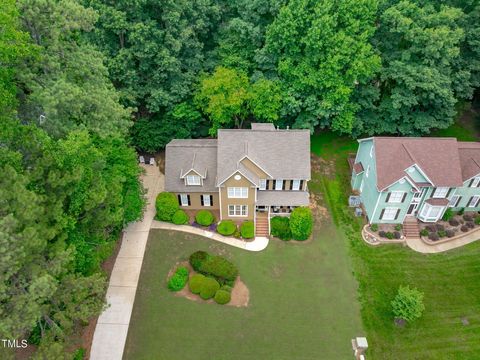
112, 325
420, 246
258, 244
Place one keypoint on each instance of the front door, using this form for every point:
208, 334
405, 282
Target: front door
412, 209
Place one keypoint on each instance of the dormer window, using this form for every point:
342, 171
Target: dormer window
193, 180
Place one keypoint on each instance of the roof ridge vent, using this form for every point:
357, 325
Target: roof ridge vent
409, 153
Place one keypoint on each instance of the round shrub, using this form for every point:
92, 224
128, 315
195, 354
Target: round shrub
397, 235
453, 222
442, 233
209, 288
247, 229
222, 297
226, 227
374, 227
301, 223
389, 235
197, 259
204, 217
424, 232
408, 304
220, 268
180, 217
450, 233
470, 224
433, 236
467, 217
440, 227
280, 227
398, 227
477, 220
431, 228
196, 283
464, 228
179, 279
166, 205
382, 234
448, 214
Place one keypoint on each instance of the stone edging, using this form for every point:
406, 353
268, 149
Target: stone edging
430, 242
373, 240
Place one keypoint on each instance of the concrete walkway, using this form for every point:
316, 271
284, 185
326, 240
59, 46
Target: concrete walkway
112, 325
258, 244
419, 245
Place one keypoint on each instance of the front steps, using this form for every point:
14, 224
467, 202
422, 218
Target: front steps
261, 228
411, 228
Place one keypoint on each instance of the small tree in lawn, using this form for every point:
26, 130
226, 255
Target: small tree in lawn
408, 304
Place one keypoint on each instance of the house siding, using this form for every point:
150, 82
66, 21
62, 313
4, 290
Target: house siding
249, 201
196, 203
406, 187
466, 193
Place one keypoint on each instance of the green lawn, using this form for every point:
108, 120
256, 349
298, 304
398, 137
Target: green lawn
450, 281
302, 303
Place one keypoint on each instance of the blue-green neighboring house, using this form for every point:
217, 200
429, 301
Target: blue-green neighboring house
418, 177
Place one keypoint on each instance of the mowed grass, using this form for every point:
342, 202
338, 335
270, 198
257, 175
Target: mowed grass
450, 281
302, 303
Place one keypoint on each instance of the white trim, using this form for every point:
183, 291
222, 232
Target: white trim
260, 187
296, 181
233, 190
419, 169
390, 209
248, 157
396, 181
235, 210
184, 197
424, 213
220, 202
444, 189
189, 177
237, 171
276, 182
376, 206
396, 192
477, 180
206, 196
367, 172
371, 151
192, 169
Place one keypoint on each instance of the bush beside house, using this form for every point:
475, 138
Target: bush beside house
180, 217
166, 205
247, 230
226, 227
301, 223
204, 218
280, 227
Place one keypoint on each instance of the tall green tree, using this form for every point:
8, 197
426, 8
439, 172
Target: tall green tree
320, 51
68, 87
415, 88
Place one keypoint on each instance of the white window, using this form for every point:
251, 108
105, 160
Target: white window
389, 213
454, 201
368, 171
396, 197
430, 212
193, 180
440, 192
237, 210
263, 184
278, 184
237, 192
475, 182
474, 201
184, 199
296, 185
206, 200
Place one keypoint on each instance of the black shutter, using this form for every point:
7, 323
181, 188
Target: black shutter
404, 196
476, 204
283, 184
433, 192
381, 214
471, 182
478, 184
398, 213
470, 201
211, 200
179, 200
388, 197
448, 192
291, 184
301, 185
201, 199
188, 198
458, 201
267, 184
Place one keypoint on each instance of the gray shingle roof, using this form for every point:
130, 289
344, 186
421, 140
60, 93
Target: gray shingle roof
284, 154
183, 155
282, 198
437, 157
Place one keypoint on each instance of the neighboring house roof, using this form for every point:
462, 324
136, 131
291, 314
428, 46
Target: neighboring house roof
284, 154
278, 198
263, 126
183, 156
438, 158
469, 159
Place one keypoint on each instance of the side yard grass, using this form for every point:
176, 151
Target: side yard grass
450, 326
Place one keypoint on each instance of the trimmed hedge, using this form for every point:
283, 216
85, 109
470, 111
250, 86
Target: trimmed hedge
247, 229
280, 227
222, 297
226, 227
196, 283
204, 218
220, 268
301, 223
197, 259
166, 205
180, 217
209, 287
178, 280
